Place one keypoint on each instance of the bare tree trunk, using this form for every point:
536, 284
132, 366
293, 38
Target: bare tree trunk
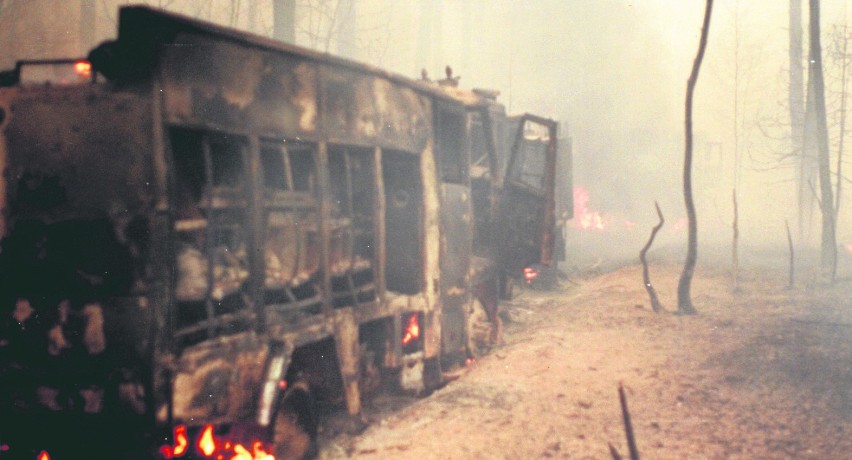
347, 40
252, 17
646, 277
284, 20
843, 98
88, 22
828, 250
735, 258
792, 280
795, 99
684, 301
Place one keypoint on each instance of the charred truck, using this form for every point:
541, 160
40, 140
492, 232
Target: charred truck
205, 232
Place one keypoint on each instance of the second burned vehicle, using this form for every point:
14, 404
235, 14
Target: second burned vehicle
213, 230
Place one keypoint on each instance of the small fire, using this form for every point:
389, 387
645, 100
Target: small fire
412, 330
584, 218
83, 68
848, 247
210, 446
43, 456
530, 274
206, 442
181, 443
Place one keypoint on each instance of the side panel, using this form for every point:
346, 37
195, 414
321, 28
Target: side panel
222, 83
456, 243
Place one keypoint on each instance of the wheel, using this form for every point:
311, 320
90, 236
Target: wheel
478, 329
484, 327
507, 287
295, 436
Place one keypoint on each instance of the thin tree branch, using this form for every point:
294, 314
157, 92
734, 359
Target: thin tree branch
646, 277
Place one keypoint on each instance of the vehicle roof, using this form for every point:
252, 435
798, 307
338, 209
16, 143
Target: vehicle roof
143, 29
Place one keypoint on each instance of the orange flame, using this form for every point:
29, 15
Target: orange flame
206, 442
530, 274
209, 446
584, 218
412, 331
43, 456
181, 443
83, 68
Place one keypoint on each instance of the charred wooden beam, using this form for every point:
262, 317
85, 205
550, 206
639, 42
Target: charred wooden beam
628, 427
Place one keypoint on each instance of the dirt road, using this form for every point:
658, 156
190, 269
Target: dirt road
763, 373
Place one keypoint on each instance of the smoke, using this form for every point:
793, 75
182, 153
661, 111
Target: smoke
613, 72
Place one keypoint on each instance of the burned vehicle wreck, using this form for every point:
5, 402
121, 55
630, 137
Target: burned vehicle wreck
205, 231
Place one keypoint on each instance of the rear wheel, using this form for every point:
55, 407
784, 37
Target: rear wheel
295, 436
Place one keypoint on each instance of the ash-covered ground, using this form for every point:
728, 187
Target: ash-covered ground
764, 372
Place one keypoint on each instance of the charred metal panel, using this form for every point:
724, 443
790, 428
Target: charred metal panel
366, 109
223, 83
59, 139
456, 244
431, 251
218, 381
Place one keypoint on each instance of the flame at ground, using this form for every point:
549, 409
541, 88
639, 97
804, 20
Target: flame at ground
83, 68
848, 247
583, 217
530, 274
412, 331
210, 446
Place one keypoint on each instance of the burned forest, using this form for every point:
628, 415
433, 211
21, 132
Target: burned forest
450, 229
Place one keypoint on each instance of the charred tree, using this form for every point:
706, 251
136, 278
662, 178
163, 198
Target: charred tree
347, 40
795, 99
628, 426
284, 20
628, 429
816, 95
843, 97
88, 22
684, 302
735, 256
646, 277
792, 279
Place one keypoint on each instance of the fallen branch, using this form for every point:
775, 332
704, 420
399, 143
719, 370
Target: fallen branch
655, 302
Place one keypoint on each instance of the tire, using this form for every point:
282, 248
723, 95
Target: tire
296, 424
507, 287
478, 330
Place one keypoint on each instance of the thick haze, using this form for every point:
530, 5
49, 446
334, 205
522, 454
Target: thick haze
613, 72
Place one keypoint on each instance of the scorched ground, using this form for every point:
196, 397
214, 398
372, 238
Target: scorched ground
762, 373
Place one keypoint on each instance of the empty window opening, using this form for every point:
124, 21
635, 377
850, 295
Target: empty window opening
274, 168
211, 262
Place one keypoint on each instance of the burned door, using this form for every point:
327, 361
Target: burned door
525, 216
456, 222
